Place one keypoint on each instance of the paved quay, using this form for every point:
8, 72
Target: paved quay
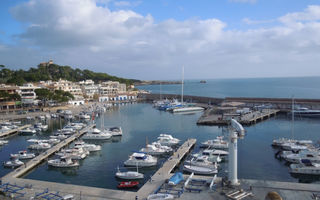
13, 131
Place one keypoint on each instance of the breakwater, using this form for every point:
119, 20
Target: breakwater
282, 104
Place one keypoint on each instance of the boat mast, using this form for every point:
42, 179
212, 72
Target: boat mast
160, 91
182, 85
292, 117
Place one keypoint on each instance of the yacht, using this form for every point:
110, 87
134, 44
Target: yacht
153, 150
130, 175
28, 131
84, 116
217, 143
305, 167
77, 153
23, 155
96, 134
188, 109
305, 112
200, 170
210, 158
14, 162
141, 160
2, 142
63, 162
59, 137
114, 131
39, 146
40, 127
88, 147
210, 152
167, 140
166, 148
313, 156
293, 146
201, 161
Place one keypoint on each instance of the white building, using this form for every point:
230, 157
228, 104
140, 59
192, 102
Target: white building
27, 93
89, 88
111, 88
69, 86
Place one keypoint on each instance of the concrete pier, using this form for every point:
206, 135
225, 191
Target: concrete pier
13, 131
43, 156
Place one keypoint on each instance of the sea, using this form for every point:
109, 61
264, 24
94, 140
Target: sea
142, 123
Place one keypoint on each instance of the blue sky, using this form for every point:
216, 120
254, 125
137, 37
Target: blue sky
146, 38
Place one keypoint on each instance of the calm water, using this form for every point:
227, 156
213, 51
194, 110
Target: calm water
141, 121
301, 87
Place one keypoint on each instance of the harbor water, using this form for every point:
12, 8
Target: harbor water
141, 122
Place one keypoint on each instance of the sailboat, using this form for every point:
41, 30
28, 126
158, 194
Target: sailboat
184, 107
291, 144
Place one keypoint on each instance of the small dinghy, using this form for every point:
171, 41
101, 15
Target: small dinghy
128, 184
23, 155
14, 162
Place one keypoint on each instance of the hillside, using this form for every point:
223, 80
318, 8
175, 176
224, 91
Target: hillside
55, 72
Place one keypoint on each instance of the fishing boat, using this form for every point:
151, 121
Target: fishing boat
14, 162
23, 155
141, 160
130, 175
160, 196
199, 170
63, 162
305, 167
128, 184
96, 134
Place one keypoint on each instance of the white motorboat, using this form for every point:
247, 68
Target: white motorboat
313, 156
59, 137
153, 150
129, 175
88, 147
14, 162
188, 109
114, 131
63, 162
84, 116
293, 146
141, 160
41, 127
23, 155
166, 148
39, 146
28, 131
5, 128
160, 196
201, 161
76, 153
167, 140
53, 115
96, 134
209, 152
217, 143
2, 142
41, 117
210, 158
200, 170
306, 112
305, 167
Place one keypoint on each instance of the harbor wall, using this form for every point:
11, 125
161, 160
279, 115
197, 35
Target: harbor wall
282, 104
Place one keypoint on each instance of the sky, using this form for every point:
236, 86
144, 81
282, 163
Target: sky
154, 39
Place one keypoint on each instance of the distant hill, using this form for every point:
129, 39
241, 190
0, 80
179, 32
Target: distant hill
54, 72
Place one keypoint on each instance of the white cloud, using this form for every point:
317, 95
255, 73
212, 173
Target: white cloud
81, 34
122, 3
255, 22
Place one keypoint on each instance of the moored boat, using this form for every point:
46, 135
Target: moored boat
141, 160
128, 184
63, 162
23, 155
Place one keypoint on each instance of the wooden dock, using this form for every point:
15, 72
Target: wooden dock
13, 131
43, 156
165, 171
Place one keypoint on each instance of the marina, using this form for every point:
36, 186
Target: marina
167, 165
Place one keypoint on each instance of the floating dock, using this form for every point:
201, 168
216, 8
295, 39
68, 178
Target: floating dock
13, 131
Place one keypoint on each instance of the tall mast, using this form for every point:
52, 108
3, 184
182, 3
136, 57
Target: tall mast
160, 91
292, 117
182, 85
